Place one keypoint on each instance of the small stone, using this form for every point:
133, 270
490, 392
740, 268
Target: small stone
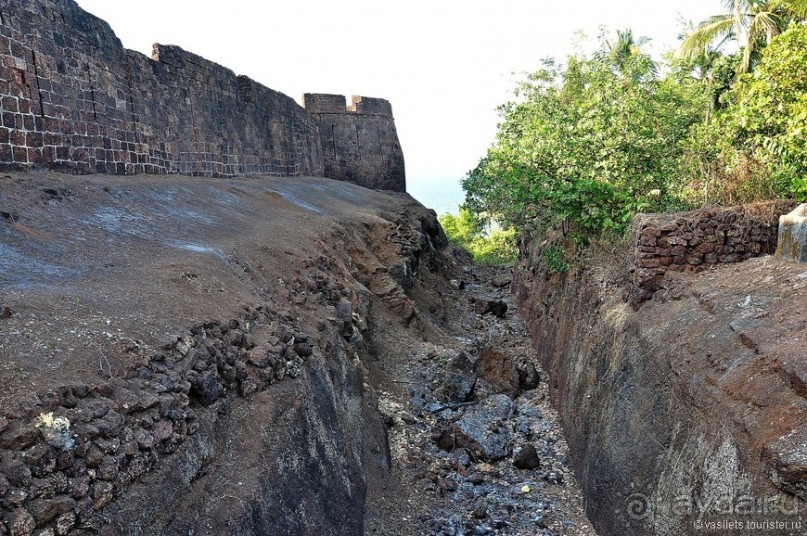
108, 469
65, 522
527, 458
163, 431
447, 484
247, 387
94, 457
259, 356
44, 510
528, 377
19, 436
21, 523
102, 493
79, 486
16, 471
344, 309
206, 388
554, 477
303, 349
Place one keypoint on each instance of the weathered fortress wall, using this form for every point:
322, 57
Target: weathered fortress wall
358, 141
74, 99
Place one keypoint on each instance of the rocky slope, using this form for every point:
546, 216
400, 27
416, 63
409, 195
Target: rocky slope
261, 356
688, 415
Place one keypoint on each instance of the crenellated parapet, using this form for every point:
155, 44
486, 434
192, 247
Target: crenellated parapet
359, 141
74, 99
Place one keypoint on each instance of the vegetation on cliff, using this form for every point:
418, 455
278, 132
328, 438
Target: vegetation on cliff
589, 143
486, 245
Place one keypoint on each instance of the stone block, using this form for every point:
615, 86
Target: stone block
792, 243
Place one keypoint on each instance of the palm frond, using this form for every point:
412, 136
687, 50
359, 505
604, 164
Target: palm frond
703, 36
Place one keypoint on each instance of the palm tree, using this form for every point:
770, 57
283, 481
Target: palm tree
624, 54
752, 23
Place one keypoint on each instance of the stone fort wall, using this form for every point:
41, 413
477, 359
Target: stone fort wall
359, 141
74, 99
697, 240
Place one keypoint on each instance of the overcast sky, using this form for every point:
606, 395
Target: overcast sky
444, 64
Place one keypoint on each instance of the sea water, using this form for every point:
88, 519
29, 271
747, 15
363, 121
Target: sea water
444, 195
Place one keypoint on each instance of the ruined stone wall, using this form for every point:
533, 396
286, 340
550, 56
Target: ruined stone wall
74, 99
694, 241
359, 142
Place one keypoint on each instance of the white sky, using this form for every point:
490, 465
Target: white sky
443, 64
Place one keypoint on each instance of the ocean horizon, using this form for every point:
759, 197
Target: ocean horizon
444, 195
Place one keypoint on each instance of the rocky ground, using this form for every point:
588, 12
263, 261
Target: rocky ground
472, 430
261, 356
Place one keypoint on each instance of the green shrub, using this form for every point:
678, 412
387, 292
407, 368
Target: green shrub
495, 246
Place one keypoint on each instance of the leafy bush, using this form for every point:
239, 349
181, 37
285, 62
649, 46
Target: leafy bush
588, 146
555, 260
495, 246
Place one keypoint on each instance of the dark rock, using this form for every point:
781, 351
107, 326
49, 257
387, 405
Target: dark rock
786, 459
14, 499
206, 388
444, 439
21, 523
500, 371
79, 486
102, 493
303, 348
259, 356
528, 377
462, 362
527, 458
247, 387
108, 469
111, 425
344, 309
447, 484
163, 431
495, 307
65, 522
402, 274
94, 457
18, 436
474, 431
16, 471
6, 312
45, 510
41, 459
502, 281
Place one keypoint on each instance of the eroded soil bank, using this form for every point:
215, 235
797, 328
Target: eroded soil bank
687, 416
262, 356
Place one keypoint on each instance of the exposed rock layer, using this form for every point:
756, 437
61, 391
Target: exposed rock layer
693, 404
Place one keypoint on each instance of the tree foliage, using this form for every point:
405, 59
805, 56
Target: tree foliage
587, 145
486, 245
751, 23
760, 139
